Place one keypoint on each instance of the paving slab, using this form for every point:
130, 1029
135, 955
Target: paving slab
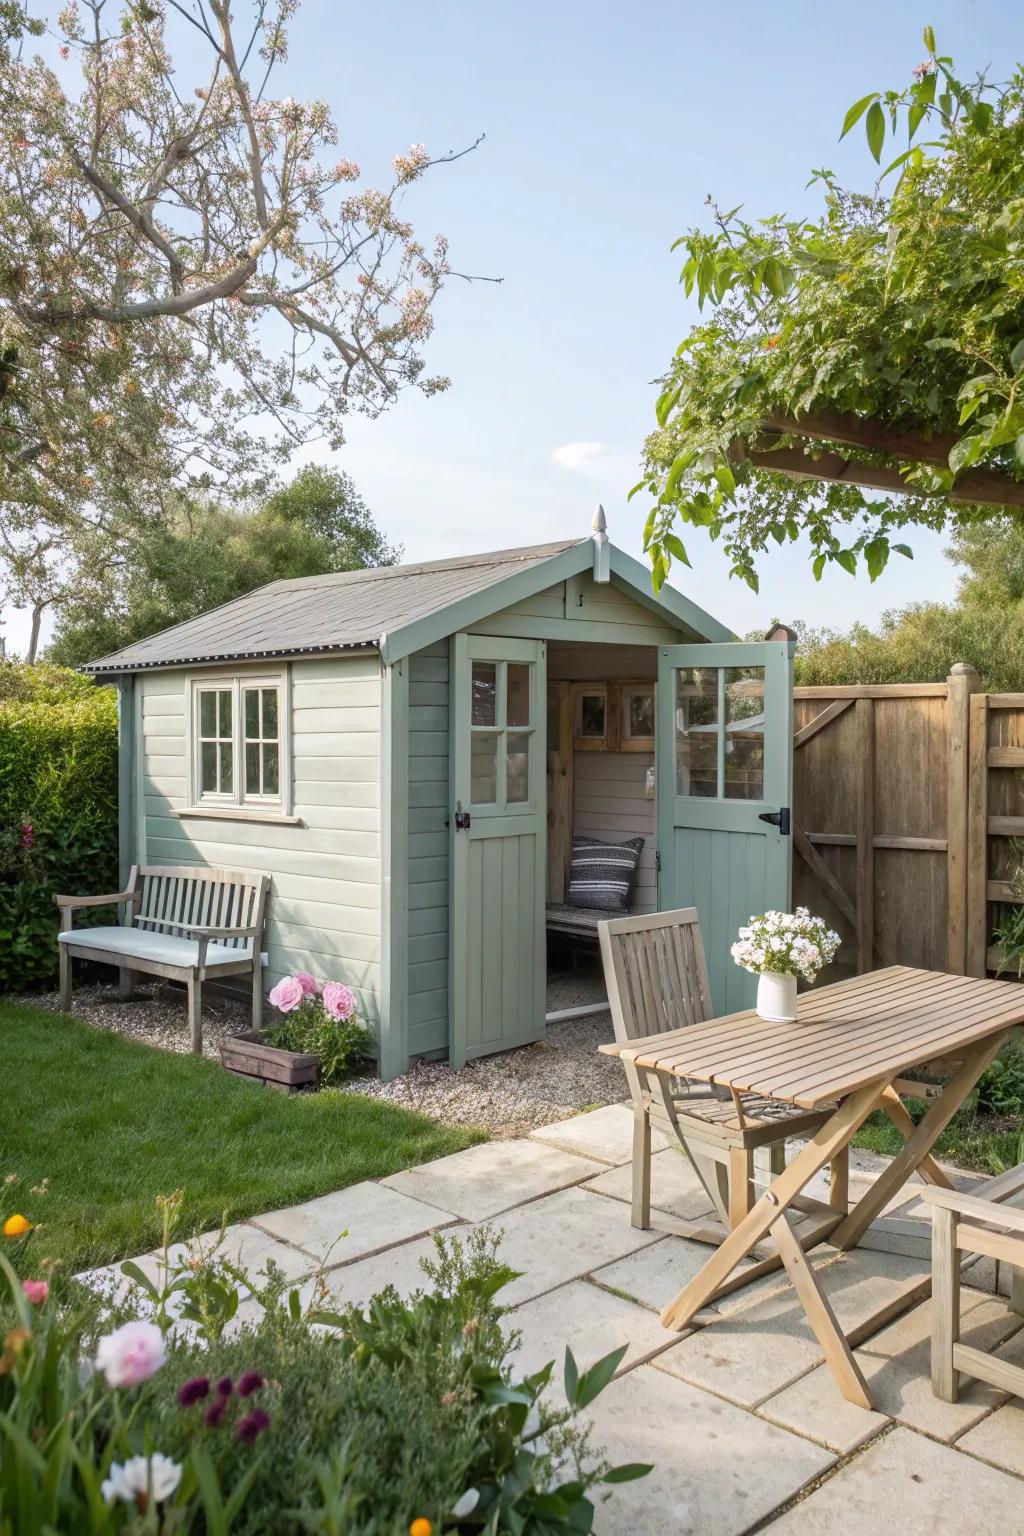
765, 1344
675, 1187
907, 1483
372, 1217
486, 1180
589, 1321
717, 1470
605, 1134
897, 1365
562, 1237
653, 1276
814, 1407
998, 1439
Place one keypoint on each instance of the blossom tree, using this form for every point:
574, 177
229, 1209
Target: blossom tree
193, 281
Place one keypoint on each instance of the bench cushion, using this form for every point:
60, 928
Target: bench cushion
601, 874
165, 949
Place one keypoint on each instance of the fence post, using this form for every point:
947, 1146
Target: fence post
977, 838
963, 680
864, 724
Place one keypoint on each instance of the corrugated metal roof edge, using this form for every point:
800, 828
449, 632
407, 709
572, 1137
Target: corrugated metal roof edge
98, 668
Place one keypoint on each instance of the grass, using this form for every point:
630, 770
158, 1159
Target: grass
113, 1124
984, 1143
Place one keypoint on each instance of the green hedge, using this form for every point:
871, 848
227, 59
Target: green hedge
58, 810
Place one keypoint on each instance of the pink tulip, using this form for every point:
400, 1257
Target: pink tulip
306, 982
339, 1000
36, 1291
288, 994
132, 1353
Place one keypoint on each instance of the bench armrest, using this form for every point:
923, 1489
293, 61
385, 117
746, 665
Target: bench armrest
201, 930
69, 903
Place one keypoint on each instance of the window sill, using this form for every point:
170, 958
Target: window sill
238, 813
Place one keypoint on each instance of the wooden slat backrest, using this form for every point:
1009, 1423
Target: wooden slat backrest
655, 972
206, 898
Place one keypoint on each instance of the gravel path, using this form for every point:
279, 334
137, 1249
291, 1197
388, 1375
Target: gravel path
508, 1095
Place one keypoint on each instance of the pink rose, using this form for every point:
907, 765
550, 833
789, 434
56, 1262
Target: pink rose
132, 1353
36, 1291
306, 982
339, 1000
288, 994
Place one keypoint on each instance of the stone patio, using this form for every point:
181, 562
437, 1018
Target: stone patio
743, 1421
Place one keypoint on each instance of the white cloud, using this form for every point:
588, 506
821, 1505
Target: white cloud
579, 456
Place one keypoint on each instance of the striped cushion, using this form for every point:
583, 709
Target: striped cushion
601, 874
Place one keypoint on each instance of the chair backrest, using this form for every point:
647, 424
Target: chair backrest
208, 898
655, 972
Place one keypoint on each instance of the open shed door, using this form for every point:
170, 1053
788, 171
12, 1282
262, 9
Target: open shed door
724, 787
499, 839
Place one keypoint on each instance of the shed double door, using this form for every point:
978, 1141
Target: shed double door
498, 845
724, 754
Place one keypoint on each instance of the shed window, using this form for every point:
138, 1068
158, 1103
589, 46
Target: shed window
238, 742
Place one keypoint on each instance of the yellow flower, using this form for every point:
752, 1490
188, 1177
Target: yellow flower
16, 1225
421, 1527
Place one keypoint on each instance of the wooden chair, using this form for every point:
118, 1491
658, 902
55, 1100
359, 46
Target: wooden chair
657, 981
989, 1220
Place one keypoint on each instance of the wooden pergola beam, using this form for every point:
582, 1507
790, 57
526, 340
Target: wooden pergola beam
859, 432
982, 487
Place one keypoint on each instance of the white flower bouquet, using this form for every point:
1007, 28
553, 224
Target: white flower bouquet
785, 944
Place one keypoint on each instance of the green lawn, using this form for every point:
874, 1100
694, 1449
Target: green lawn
112, 1124
979, 1142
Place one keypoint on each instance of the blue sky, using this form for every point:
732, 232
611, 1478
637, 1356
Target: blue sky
607, 125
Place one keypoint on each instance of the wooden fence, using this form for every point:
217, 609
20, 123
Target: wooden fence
905, 798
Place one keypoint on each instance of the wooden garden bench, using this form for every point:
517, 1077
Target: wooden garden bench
989, 1220
184, 924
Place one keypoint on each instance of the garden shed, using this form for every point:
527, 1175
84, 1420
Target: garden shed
409, 752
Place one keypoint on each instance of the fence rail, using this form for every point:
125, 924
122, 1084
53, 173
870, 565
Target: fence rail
905, 799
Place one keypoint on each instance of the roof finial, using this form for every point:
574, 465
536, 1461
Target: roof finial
602, 548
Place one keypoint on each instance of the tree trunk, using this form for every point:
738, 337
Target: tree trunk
37, 619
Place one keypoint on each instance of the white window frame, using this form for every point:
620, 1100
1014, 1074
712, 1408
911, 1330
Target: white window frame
238, 802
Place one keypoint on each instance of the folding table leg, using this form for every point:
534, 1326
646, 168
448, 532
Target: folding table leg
821, 1317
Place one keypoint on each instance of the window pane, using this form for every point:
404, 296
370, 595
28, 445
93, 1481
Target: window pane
483, 769
744, 733
592, 715
252, 768
270, 714
252, 712
270, 773
224, 712
640, 721
208, 768
518, 686
485, 693
207, 714
226, 780
517, 775
697, 732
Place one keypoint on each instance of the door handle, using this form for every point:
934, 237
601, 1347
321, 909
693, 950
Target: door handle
779, 818
462, 820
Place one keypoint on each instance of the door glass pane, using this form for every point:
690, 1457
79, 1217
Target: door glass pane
485, 693
207, 714
518, 686
226, 785
252, 712
517, 753
208, 767
252, 768
697, 732
270, 769
744, 733
224, 712
483, 769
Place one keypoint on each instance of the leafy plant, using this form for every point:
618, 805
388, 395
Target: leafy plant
1009, 935
320, 1021
1001, 1088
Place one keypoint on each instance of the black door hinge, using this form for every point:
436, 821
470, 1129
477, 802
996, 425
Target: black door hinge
657, 859
779, 818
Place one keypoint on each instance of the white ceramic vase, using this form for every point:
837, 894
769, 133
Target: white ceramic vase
776, 997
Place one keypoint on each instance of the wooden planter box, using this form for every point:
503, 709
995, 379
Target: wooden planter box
249, 1055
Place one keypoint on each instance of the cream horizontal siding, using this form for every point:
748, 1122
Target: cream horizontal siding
324, 913
609, 803
428, 843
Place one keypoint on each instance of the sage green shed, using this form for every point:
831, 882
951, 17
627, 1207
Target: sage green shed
407, 751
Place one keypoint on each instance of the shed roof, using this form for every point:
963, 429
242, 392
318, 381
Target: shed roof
384, 607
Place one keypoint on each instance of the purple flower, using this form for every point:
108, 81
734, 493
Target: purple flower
215, 1413
27, 836
194, 1391
225, 1386
249, 1382
252, 1426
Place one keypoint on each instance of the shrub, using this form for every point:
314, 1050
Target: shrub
58, 778
405, 1416
1001, 1087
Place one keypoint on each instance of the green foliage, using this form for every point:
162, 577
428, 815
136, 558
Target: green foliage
341, 1044
904, 306
58, 810
203, 555
1001, 1089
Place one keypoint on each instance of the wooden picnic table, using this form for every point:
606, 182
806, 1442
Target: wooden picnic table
849, 1048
